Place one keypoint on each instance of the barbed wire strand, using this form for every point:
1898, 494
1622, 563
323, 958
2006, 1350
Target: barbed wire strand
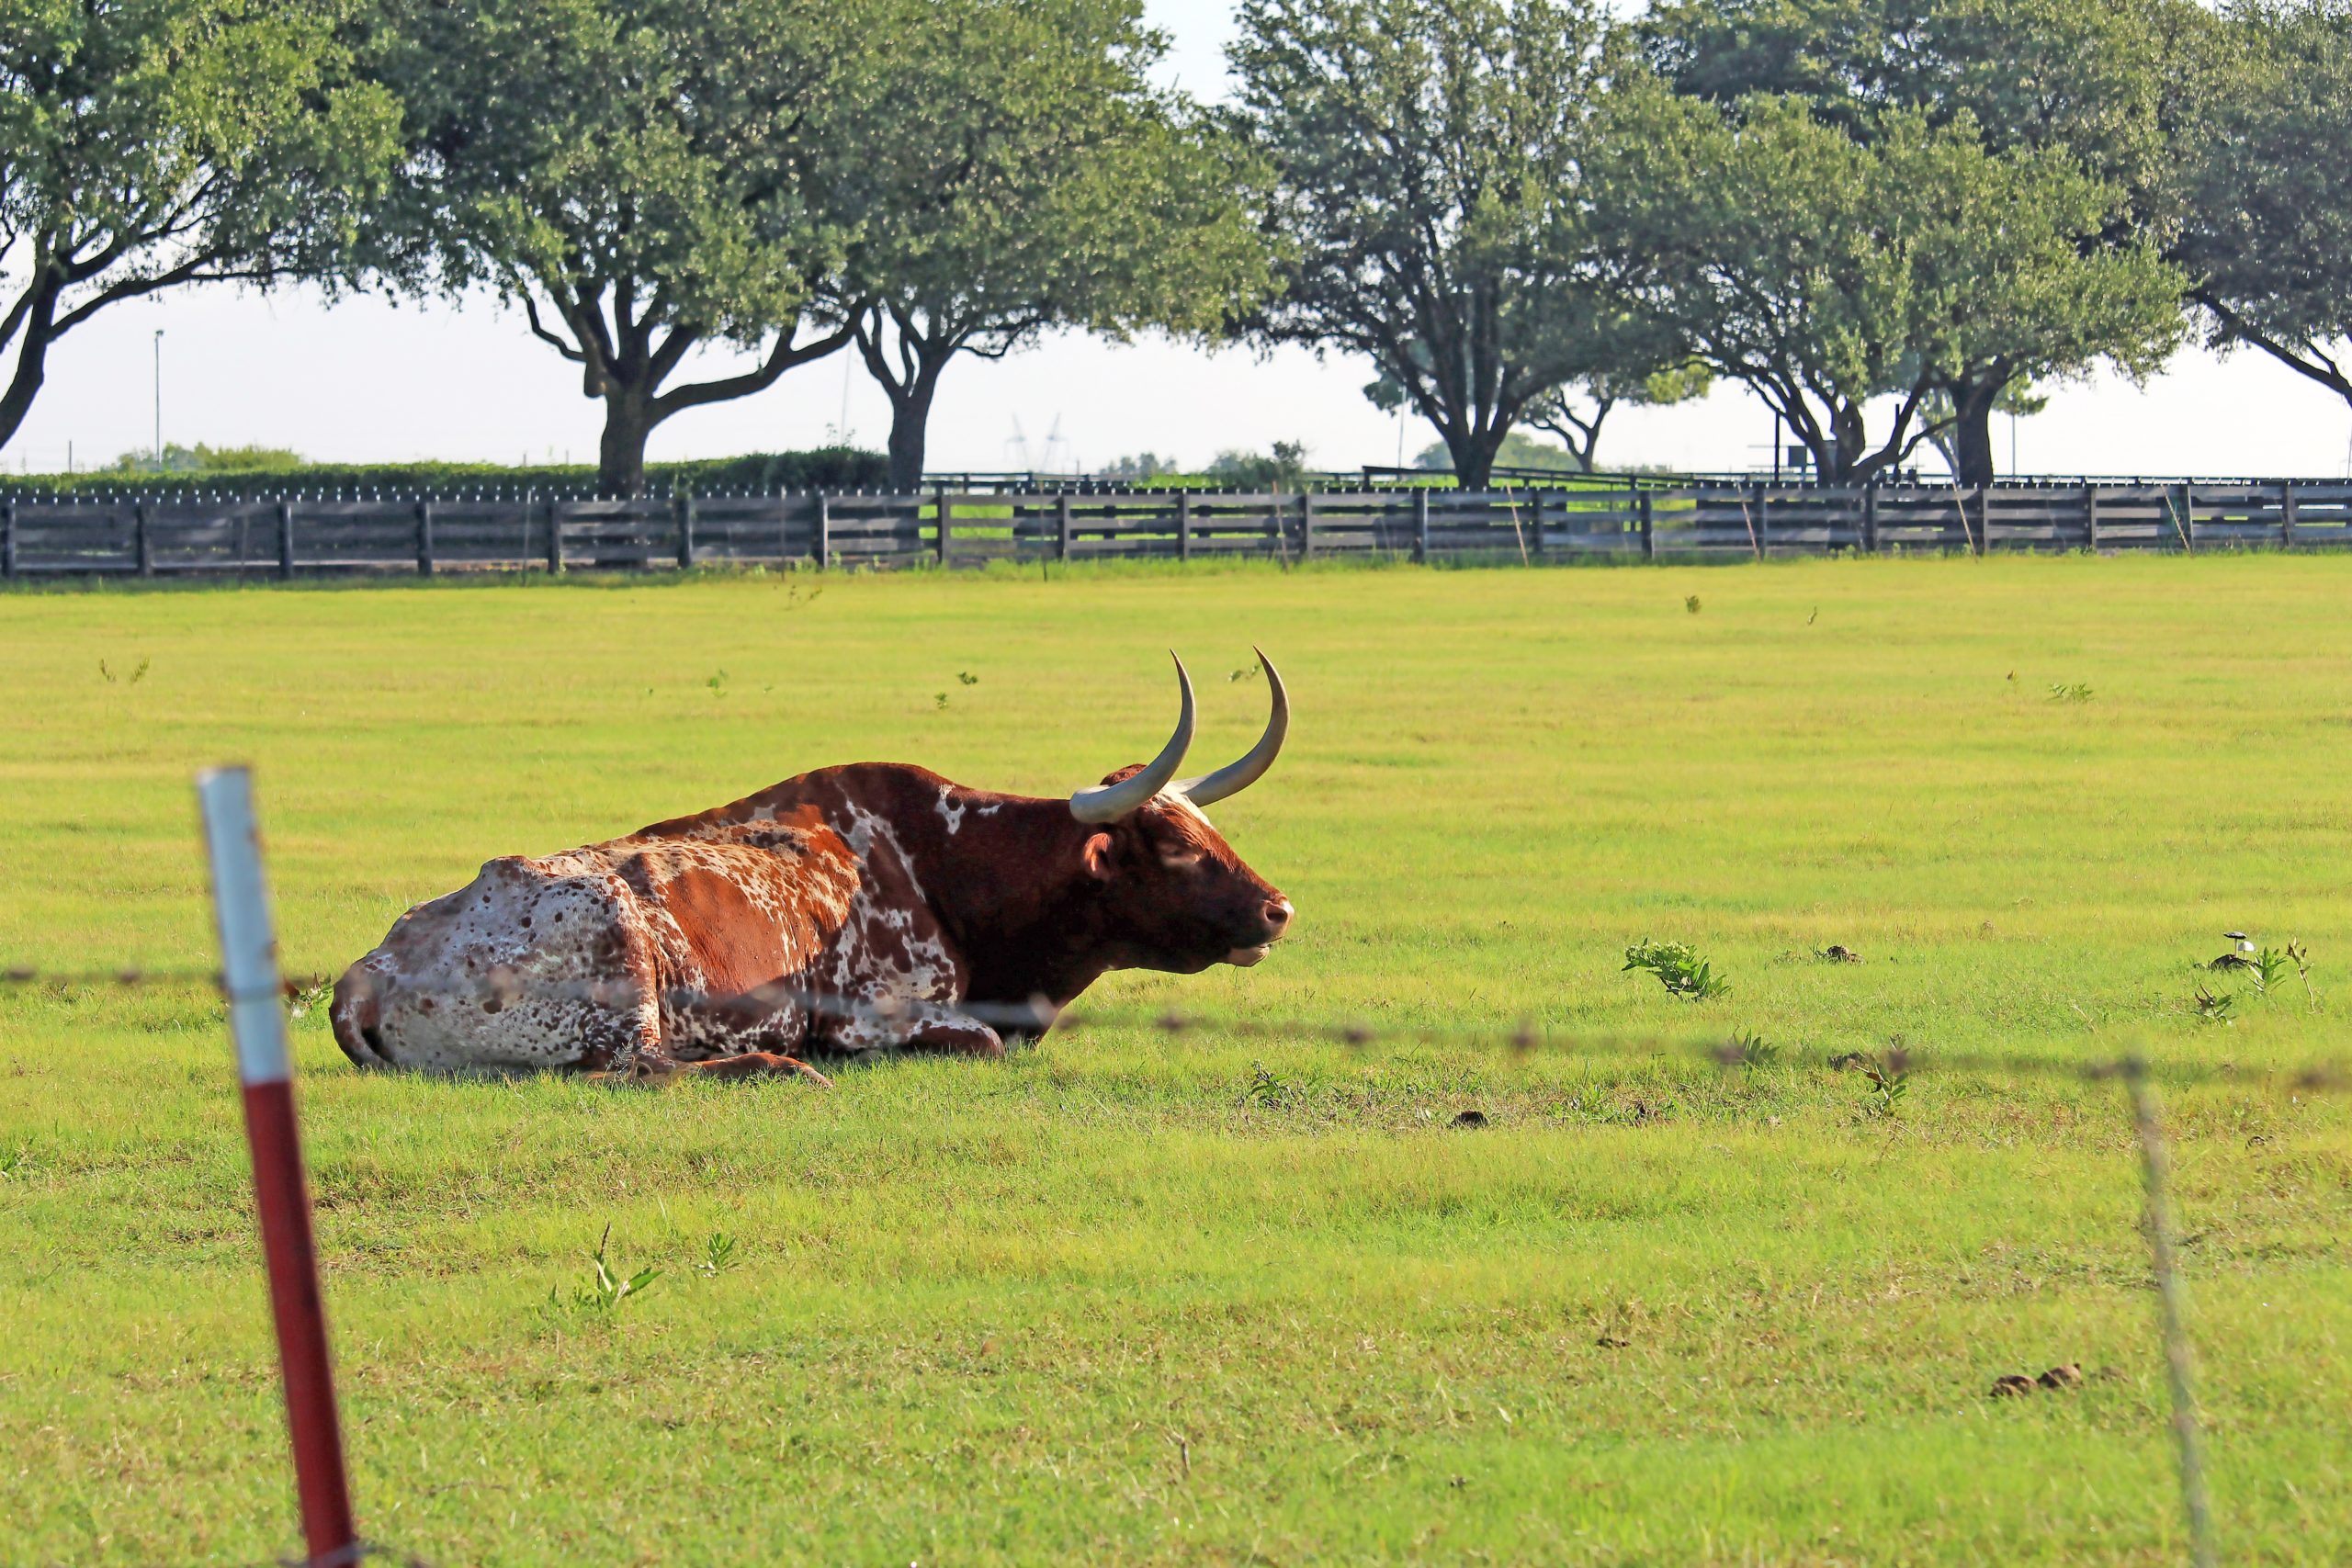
1885, 1068
1743, 1050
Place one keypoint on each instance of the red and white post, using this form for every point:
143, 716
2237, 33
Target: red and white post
281, 1196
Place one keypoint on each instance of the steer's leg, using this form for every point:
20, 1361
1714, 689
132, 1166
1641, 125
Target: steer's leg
652, 1069
899, 1024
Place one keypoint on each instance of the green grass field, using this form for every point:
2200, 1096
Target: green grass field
1105, 1301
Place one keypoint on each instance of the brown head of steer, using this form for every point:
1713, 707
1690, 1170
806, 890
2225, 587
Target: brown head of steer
850, 909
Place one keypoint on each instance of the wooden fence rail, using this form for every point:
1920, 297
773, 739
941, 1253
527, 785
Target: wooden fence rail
291, 537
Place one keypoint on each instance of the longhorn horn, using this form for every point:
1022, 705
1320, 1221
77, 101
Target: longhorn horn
1108, 803
1235, 777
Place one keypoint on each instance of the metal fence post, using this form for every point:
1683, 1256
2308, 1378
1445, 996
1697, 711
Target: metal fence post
1648, 503
824, 531
1421, 522
683, 507
2090, 515
1062, 526
1869, 517
143, 543
2287, 514
1763, 520
555, 537
942, 507
1183, 525
2172, 1307
281, 1196
285, 541
424, 539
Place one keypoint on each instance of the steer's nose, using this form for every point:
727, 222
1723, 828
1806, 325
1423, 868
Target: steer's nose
1278, 914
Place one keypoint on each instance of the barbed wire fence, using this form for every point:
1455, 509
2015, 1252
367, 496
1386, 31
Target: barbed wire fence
1884, 1071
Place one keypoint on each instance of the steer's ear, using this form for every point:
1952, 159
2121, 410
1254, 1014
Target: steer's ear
1096, 853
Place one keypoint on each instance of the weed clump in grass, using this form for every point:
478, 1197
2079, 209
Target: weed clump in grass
607, 1290
2069, 692
1884, 1080
1677, 967
2266, 968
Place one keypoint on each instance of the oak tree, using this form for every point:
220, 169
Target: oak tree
1829, 269
2097, 82
149, 143
1428, 194
1016, 171
2267, 181
635, 175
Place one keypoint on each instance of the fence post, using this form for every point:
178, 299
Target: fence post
281, 1196
1870, 516
1649, 524
1183, 525
8, 539
555, 537
285, 541
2172, 1307
424, 539
143, 544
2186, 519
1306, 523
683, 505
2287, 515
1061, 526
1763, 523
1422, 523
942, 507
2090, 515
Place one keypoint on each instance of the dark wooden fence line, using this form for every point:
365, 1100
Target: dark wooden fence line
295, 536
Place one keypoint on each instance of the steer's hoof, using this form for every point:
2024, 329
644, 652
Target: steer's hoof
640, 1072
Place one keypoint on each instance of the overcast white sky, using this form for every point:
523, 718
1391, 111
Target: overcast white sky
365, 380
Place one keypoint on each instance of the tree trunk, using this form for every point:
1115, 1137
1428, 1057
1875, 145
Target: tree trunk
1972, 432
32, 356
620, 454
910, 427
1848, 442
1473, 455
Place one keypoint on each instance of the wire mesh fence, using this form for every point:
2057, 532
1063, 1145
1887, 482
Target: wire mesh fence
2137, 1078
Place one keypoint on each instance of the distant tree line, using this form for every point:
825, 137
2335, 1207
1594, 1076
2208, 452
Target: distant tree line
1889, 219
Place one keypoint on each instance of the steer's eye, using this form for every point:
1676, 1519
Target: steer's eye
1181, 859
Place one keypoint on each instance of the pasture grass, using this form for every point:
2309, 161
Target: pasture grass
1242, 1293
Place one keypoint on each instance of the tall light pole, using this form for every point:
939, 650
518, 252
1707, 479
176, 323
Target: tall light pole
159, 400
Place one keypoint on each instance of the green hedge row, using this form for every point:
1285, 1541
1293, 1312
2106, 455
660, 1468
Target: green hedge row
823, 467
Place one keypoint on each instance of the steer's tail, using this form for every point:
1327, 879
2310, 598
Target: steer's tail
358, 1017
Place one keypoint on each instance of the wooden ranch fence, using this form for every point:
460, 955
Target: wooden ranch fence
289, 537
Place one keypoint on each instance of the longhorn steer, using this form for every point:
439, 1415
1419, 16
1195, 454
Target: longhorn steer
846, 911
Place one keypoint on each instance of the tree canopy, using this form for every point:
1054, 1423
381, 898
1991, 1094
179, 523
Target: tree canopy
1429, 198
1017, 171
636, 174
2095, 83
1826, 270
2266, 183
149, 143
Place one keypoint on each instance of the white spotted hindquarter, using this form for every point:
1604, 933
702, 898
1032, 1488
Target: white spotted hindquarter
702, 939
535, 963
